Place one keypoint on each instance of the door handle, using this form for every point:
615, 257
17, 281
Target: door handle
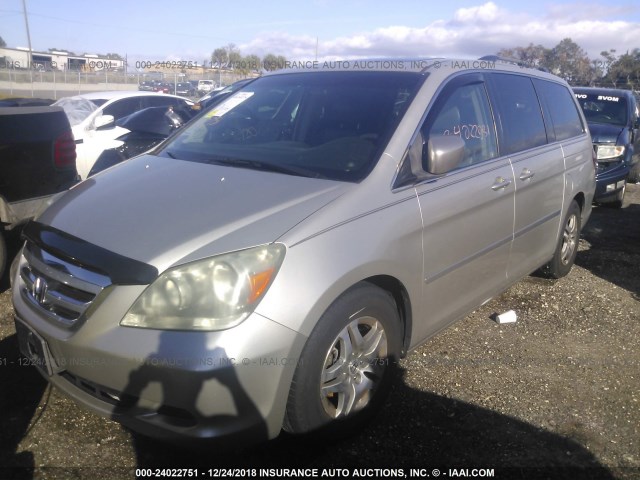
526, 174
500, 183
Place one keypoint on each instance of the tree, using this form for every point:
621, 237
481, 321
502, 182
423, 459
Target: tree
532, 56
566, 59
2, 43
219, 57
251, 63
282, 61
624, 72
233, 54
270, 62
569, 61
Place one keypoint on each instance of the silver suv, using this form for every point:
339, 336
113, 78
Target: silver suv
265, 268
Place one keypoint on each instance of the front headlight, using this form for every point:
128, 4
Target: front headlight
211, 294
609, 151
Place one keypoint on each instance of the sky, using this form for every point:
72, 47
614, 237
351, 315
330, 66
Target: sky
317, 29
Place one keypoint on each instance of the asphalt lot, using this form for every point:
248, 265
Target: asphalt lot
554, 395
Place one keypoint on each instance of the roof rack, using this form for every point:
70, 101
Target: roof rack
511, 61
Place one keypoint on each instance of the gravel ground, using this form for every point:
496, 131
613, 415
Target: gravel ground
554, 395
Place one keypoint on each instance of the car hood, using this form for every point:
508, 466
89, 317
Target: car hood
603, 133
165, 212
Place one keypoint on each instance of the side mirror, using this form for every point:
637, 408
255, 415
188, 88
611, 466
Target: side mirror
104, 121
444, 153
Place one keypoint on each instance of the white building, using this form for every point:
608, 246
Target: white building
18, 58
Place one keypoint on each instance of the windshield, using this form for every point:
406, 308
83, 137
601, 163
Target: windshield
76, 108
599, 108
319, 124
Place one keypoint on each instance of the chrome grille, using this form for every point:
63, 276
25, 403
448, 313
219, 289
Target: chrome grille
56, 288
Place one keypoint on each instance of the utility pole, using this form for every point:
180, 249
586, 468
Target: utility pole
30, 55
26, 22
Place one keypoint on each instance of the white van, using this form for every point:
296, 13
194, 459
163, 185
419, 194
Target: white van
264, 268
205, 86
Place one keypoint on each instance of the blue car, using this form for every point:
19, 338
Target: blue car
612, 116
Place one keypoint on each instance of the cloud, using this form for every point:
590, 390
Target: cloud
483, 13
471, 32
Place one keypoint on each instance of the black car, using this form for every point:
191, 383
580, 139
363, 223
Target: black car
145, 129
164, 87
612, 116
25, 102
147, 86
185, 89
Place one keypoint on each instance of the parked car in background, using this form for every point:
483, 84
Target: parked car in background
25, 102
37, 161
145, 129
185, 89
93, 116
205, 86
266, 266
613, 121
216, 96
164, 87
147, 86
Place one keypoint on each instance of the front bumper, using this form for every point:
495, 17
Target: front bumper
167, 384
609, 182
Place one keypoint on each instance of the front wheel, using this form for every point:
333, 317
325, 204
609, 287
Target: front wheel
346, 366
567, 247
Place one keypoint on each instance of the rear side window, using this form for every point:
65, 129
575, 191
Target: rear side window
465, 112
162, 101
122, 108
564, 117
519, 114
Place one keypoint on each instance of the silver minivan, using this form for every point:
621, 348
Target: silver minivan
264, 268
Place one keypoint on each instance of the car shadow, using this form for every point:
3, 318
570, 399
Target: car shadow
184, 390
611, 236
13, 243
21, 390
416, 429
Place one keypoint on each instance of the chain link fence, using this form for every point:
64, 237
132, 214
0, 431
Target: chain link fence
56, 84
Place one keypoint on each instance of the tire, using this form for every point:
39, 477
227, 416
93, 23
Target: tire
567, 247
347, 365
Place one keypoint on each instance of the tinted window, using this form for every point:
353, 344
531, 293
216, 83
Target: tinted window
519, 114
603, 107
465, 112
318, 124
122, 108
560, 106
161, 101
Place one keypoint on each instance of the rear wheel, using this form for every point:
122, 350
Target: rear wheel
567, 247
346, 367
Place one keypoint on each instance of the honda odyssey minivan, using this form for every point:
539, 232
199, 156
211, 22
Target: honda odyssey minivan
264, 268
